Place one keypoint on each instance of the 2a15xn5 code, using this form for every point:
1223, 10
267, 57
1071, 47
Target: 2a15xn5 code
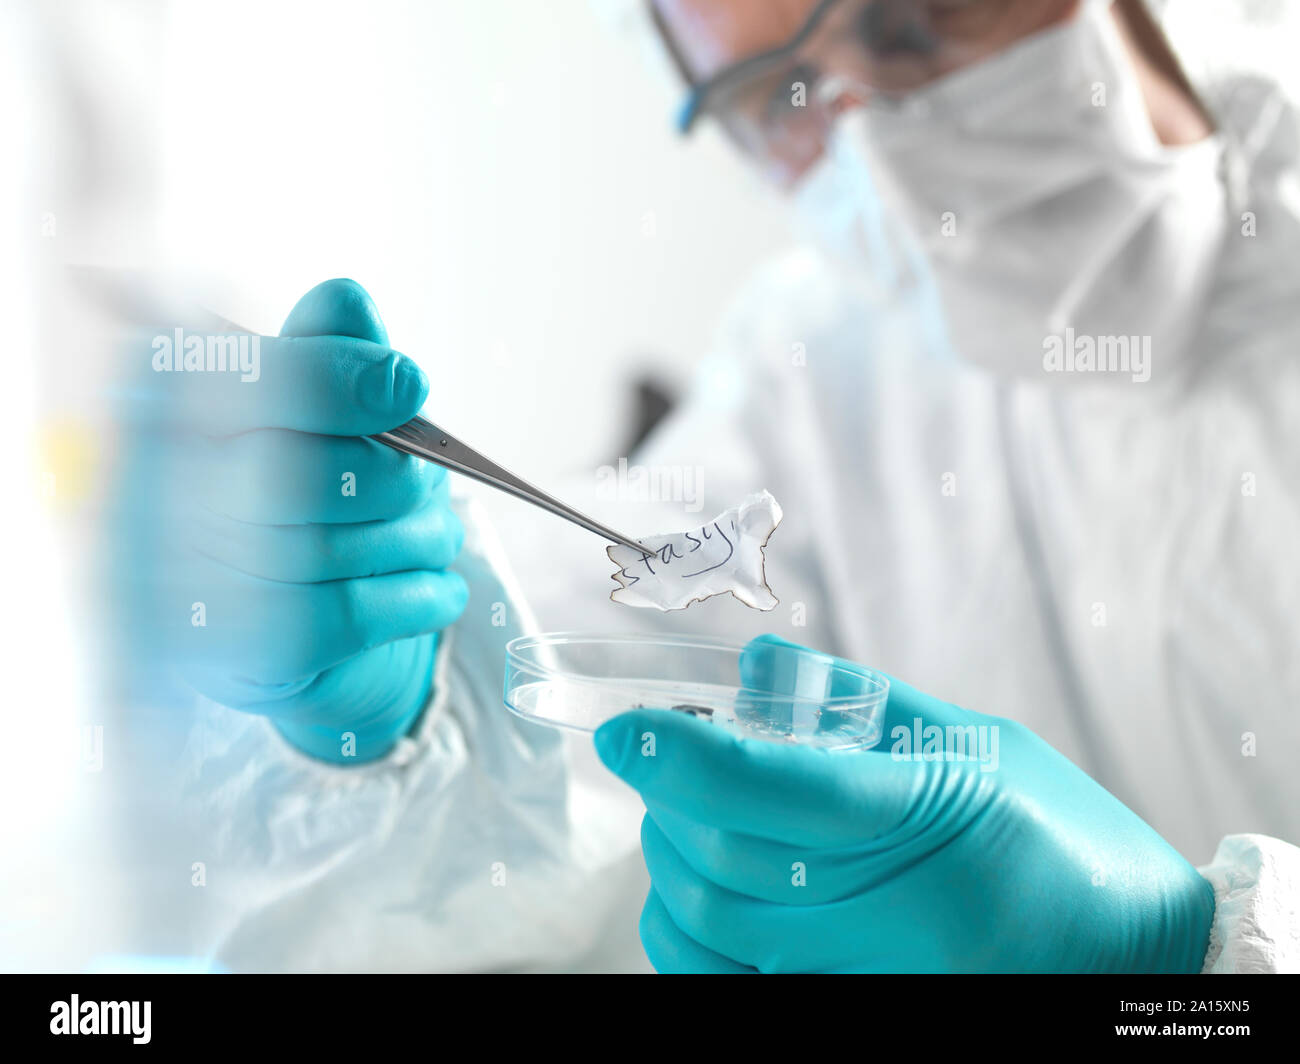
1153, 1007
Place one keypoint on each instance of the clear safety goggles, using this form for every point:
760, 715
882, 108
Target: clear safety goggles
779, 105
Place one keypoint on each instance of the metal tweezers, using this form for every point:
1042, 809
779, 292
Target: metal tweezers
418, 437
424, 439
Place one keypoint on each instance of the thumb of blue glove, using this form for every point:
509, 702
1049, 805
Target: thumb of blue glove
962, 843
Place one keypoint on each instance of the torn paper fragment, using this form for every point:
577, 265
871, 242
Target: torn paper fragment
726, 554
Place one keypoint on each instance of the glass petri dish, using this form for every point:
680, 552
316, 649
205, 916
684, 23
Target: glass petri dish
764, 690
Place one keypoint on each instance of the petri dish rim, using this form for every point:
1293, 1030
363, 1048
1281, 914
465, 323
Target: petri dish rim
516, 648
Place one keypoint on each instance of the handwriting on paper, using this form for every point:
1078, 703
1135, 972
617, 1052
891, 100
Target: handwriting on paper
723, 555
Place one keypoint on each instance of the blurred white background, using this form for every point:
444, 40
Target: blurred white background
502, 176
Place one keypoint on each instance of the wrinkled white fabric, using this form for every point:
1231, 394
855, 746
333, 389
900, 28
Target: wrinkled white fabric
468, 848
1256, 907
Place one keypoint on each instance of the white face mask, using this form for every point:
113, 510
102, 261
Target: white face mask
1032, 189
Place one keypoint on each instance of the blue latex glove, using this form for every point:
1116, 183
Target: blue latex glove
320, 558
791, 859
